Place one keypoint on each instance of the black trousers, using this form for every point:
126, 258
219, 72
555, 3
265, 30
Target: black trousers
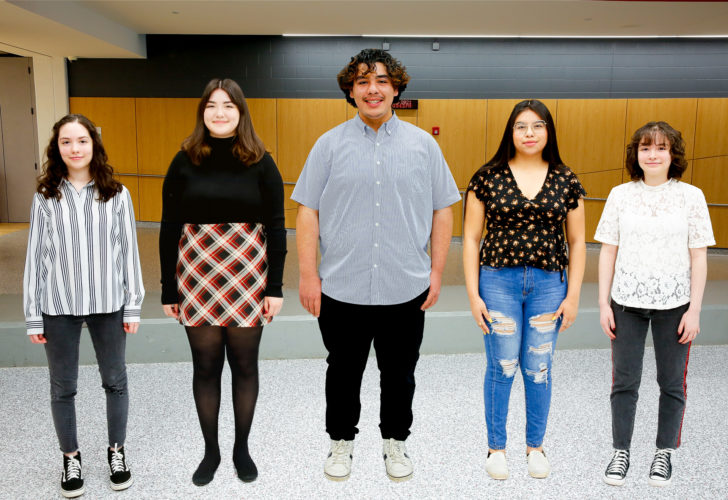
348, 331
671, 359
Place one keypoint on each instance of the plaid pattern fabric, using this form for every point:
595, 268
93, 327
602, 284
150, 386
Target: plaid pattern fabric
222, 274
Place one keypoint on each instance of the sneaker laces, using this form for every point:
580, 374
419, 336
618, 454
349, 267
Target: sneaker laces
618, 464
340, 452
116, 464
73, 468
396, 452
661, 463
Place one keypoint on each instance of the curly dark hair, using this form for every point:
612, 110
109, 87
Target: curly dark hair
247, 146
396, 71
55, 170
655, 132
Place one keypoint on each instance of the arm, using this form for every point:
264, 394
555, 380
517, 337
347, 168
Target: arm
472, 233
307, 235
575, 238
33, 277
439, 246
607, 258
689, 326
132, 269
170, 233
274, 222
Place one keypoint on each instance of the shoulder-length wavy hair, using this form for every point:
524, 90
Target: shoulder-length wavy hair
55, 170
507, 150
656, 132
395, 70
247, 146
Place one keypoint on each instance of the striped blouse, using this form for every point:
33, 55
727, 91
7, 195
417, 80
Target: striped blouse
82, 257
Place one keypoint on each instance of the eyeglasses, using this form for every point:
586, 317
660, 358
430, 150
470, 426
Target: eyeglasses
537, 126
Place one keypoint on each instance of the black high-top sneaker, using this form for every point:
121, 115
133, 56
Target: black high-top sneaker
72, 477
119, 473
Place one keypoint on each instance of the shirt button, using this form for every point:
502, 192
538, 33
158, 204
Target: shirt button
377, 204
376, 244
376, 224
375, 265
377, 182
379, 162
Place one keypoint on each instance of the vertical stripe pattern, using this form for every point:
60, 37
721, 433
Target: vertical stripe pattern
82, 257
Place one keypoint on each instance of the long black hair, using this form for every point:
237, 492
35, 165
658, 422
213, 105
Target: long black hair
507, 150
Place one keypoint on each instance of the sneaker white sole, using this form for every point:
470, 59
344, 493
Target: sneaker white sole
336, 478
539, 475
614, 481
74, 493
659, 483
121, 486
400, 479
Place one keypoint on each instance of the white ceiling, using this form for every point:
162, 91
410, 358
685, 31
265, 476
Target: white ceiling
115, 28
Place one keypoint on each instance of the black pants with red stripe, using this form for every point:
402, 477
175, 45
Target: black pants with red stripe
671, 359
348, 331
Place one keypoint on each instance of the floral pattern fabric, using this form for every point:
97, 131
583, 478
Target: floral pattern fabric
654, 228
522, 231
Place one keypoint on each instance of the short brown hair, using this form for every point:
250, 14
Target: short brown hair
648, 134
247, 146
395, 70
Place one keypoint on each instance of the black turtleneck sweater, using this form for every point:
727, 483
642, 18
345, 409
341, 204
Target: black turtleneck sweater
221, 189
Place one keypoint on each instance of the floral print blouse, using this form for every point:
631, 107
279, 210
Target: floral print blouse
522, 231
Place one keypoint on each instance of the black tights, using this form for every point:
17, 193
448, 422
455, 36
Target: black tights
209, 345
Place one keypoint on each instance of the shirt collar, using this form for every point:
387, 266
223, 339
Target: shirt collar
67, 182
389, 126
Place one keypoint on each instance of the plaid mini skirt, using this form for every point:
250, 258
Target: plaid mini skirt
222, 272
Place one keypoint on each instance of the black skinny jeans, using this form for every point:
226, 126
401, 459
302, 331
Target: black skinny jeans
671, 358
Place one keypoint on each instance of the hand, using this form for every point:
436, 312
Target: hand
481, 315
568, 311
434, 293
171, 310
38, 338
606, 320
309, 292
689, 327
272, 306
131, 327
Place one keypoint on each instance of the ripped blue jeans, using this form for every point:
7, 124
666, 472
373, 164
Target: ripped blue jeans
521, 302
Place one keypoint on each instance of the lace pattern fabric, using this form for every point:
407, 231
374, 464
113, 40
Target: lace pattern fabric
654, 228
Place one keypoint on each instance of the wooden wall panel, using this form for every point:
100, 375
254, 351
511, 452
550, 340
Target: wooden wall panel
117, 119
719, 220
290, 207
162, 124
711, 175
462, 133
498, 112
679, 113
591, 133
263, 114
300, 123
598, 184
457, 219
132, 184
150, 195
710, 128
593, 211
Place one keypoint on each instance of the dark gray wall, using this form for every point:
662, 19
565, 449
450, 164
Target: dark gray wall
274, 66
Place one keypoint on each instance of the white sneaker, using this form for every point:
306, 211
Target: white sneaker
338, 463
396, 460
538, 464
496, 466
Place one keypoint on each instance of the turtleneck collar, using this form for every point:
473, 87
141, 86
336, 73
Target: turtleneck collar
659, 187
220, 143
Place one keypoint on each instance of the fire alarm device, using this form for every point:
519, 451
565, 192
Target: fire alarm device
435, 130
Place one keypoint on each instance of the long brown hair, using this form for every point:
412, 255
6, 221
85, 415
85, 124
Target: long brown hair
55, 170
247, 146
649, 133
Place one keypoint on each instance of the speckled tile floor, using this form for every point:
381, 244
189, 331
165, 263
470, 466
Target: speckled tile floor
289, 444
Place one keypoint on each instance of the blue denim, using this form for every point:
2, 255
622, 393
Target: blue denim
521, 302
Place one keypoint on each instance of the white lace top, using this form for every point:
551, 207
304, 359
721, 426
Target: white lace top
654, 226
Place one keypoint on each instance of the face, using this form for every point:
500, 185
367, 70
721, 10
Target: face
75, 146
529, 133
654, 159
373, 93
221, 115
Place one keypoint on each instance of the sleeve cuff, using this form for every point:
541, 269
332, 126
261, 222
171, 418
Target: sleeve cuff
34, 326
274, 291
132, 315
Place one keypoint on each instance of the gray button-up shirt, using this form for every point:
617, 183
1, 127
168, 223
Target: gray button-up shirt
375, 193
